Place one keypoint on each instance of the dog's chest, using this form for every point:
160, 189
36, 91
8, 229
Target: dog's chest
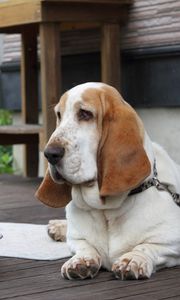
107, 233
109, 230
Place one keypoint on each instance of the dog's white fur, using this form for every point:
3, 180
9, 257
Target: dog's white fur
132, 235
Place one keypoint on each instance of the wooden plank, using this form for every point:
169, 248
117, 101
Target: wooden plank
19, 12
20, 214
29, 92
20, 134
9, 3
17, 28
29, 140
49, 285
14, 13
16, 2
50, 74
18, 203
78, 26
110, 55
64, 12
27, 129
122, 2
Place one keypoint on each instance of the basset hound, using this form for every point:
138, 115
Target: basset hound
121, 190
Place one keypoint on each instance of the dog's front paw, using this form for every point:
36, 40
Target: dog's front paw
132, 266
80, 267
57, 230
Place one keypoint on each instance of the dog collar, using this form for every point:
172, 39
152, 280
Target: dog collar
159, 185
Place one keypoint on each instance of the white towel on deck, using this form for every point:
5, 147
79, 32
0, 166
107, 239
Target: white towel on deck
30, 241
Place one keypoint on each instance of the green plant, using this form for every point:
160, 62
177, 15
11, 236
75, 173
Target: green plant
6, 155
5, 117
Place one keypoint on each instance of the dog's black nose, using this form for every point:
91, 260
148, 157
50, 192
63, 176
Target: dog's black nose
54, 154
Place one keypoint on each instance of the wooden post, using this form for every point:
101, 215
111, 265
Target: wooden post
110, 55
29, 92
50, 74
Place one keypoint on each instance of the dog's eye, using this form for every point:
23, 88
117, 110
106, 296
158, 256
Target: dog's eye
58, 115
85, 115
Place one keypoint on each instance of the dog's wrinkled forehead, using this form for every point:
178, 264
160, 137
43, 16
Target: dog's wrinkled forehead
80, 89
79, 95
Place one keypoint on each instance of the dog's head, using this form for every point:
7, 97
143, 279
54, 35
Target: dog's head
98, 137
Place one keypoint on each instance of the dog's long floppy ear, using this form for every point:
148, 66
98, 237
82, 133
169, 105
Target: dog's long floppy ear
53, 194
122, 160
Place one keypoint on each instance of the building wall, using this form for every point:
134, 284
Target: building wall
1, 44
1, 59
1, 47
152, 23
163, 126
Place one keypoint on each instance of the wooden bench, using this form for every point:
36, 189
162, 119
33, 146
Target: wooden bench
28, 135
47, 18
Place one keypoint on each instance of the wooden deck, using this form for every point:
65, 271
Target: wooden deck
28, 280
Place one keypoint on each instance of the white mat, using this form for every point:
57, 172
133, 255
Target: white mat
30, 241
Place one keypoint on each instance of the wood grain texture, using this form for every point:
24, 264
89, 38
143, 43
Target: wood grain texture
119, 2
110, 55
152, 23
19, 12
29, 92
28, 129
149, 24
87, 12
30, 136
50, 74
29, 76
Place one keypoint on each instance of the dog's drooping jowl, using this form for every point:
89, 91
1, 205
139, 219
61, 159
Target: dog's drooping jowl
120, 189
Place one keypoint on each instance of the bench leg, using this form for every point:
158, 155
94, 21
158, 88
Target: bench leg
110, 54
50, 74
29, 91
